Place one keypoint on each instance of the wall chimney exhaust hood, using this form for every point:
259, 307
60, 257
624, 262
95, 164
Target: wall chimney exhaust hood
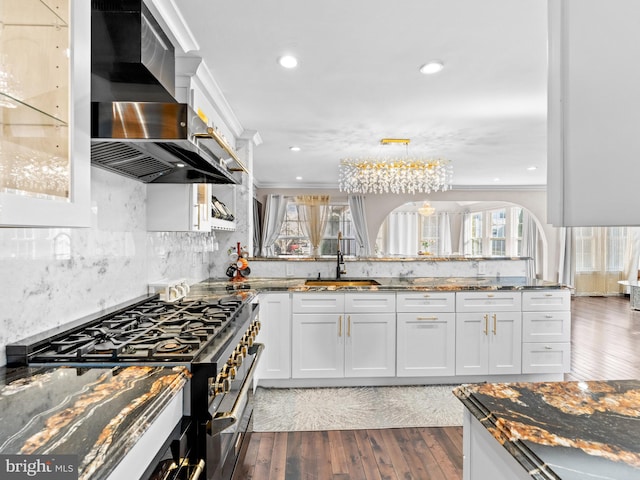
137, 127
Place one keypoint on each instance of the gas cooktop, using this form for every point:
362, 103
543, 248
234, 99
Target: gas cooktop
149, 331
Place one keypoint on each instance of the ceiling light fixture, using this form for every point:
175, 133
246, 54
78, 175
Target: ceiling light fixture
294, 149
532, 168
394, 175
426, 209
288, 61
431, 67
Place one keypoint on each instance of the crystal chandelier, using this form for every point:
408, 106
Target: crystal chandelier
426, 210
394, 175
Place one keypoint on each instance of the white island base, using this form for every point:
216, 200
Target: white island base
483, 457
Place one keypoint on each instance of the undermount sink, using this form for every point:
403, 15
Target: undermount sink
341, 283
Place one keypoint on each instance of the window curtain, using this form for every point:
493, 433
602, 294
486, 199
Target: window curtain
257, 228
530, 243
358, 215
402, 232
313, 212
603, 256
275, 209
444, 229
633, 254
566, 267
463, 234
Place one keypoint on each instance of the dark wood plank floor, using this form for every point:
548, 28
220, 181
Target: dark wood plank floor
604, 336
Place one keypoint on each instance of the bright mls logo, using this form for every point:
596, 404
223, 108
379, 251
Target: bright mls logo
39, 467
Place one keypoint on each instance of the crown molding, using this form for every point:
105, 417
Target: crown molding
176, 24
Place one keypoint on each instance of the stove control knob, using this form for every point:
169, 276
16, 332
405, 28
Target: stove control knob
228, 370
242, 349
256, 325
247, 340
221, 385
235, 359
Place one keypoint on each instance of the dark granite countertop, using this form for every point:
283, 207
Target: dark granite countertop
96, 414
396, 258
419, 284
563, 430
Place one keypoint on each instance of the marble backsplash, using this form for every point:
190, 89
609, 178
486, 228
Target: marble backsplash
51, 276
397, 268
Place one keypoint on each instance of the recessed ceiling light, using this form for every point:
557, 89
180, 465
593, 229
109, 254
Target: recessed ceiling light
431, 67
288, 61
294, 149
532, 168
180, 165
496, 179
298, 178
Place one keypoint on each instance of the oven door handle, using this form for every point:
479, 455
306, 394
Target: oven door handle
223, 420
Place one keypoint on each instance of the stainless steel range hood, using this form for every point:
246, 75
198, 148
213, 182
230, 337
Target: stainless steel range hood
137, 127
159, 143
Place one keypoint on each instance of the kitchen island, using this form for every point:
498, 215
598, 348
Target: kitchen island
552, 430
102, 415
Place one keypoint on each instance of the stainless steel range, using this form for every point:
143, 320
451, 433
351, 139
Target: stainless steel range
212, 337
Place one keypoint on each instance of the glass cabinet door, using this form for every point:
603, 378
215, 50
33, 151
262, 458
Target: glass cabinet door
44, 96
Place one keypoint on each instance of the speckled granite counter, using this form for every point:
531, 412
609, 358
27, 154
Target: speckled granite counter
257, 284
563, 430
97, 414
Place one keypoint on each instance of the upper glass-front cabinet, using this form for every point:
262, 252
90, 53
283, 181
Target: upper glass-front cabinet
44, 113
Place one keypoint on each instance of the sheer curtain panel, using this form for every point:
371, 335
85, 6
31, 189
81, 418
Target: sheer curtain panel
313, 212
273, 217
358, 215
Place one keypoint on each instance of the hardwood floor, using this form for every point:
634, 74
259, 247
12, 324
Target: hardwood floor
604, 339
604, 336
399, 453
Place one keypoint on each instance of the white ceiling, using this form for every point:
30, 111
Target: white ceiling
358, 81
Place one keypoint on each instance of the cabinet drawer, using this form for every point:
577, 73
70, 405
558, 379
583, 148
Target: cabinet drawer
546, 357
427, 302
370, 302
546, 326
546, 300
488, 301
317, 302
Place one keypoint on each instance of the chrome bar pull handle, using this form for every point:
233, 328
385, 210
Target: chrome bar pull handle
223, 420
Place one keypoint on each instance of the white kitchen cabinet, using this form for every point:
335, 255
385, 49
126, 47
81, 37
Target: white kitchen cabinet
370, 345
546, 300
593, 113
426, 334
339, 335
178, 207
317, 345
46, 114
546, 331
182, 208
275, 333
488, 333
